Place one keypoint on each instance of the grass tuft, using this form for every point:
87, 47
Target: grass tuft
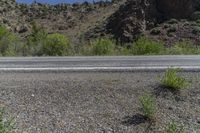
183, 48
173, 81
174, 128
148, 106
6, 125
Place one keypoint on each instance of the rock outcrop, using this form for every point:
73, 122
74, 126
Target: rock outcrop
131, 19
136, 16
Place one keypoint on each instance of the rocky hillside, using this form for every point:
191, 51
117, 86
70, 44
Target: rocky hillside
72, 20
167, 20
8, 13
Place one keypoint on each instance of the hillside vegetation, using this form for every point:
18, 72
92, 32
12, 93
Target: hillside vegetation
120, 27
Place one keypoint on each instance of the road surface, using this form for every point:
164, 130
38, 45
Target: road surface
45, 101
115, 63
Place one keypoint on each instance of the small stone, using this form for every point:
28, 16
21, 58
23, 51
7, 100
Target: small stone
198, 120
170, 108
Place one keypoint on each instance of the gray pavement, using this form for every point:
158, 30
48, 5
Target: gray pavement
190, 62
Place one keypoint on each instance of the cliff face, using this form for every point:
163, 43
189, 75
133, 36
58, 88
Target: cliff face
137, 17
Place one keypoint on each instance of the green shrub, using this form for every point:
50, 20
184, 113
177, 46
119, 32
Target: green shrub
166, 26
6, 125
155, 31
9, 43
122, 50
184, 47
173, 21
174, 128
196, 30
38, 33
148, 106
85, 50
171, 29
103, 47
145, 46
40, 43
195, 16
35, 41
173, 81
198, 21
56, 45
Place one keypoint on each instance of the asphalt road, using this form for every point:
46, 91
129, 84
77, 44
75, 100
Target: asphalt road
115, 63
95, 102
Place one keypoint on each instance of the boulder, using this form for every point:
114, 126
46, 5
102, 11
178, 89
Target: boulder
126, 22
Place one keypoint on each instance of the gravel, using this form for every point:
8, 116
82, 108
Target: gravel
73, 102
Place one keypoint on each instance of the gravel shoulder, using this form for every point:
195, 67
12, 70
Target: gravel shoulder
95, 102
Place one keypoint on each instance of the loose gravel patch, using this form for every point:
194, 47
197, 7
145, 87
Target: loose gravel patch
95, 102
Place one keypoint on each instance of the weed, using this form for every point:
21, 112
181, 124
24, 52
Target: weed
122, 50
103, 47
195, 16
184, 47
173, 81
56, 45
6, 125
174, 128
196, 30
173, 21
171, 29
35, 41
148, 106
9, 44
145, 46
155, 31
